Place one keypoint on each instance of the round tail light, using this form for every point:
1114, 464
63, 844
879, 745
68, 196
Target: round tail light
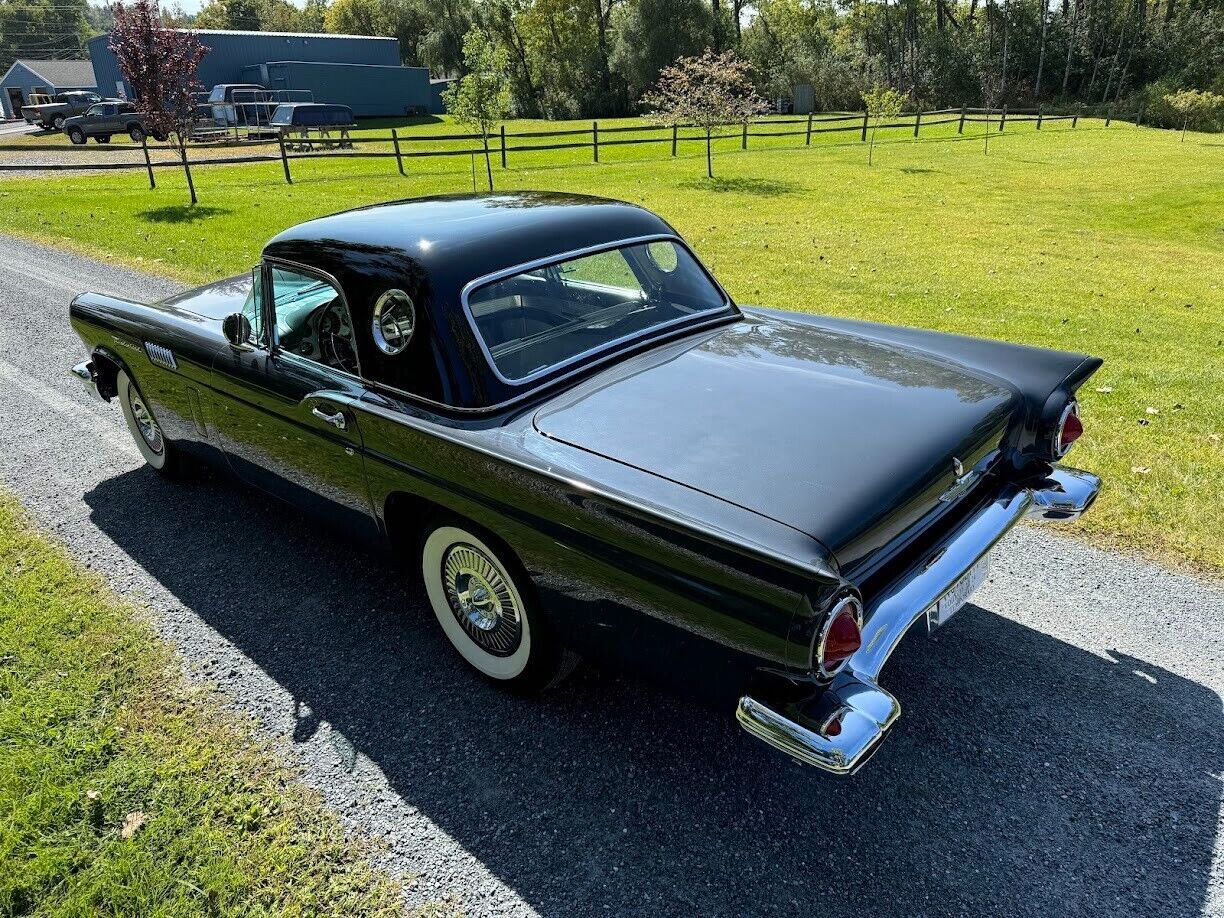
1070, 428
840, 637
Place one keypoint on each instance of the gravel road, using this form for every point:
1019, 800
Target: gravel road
1061, 750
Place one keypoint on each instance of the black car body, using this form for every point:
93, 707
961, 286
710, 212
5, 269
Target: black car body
757, 501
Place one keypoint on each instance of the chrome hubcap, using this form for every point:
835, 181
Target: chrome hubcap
478, 593
145, 424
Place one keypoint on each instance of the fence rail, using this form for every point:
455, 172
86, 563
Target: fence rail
408, 146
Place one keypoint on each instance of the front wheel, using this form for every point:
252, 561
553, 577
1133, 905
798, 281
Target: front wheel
136, 133
158, 452
480, 596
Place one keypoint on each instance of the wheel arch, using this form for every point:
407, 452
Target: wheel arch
106, 372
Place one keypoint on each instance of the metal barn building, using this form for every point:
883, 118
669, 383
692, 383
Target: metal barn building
360, 71
25, 78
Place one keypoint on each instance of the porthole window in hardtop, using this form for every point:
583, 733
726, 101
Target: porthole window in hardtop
394, 321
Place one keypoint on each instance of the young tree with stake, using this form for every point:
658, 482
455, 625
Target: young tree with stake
705, 92
481, 99
161, 65
883, 104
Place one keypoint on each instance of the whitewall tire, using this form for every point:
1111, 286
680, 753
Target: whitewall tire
157, 450
481, 598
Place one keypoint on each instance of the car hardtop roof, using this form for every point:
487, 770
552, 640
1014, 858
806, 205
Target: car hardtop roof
455, 239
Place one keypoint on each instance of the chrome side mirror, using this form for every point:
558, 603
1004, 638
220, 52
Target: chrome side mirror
237, 329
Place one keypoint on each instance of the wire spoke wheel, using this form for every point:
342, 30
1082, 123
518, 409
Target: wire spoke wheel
479, 596
146, 423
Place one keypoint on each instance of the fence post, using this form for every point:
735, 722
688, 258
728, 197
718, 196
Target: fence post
1139, 117
280, 138
144, 145
960, 128
399, 159
1108, 115
1003, 118
917, 121
675, 130
503, 145
744, 137
595, 139
1075, 119
864, 137
1039, 114
807, 141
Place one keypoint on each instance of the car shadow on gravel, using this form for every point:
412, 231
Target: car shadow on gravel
1027, 776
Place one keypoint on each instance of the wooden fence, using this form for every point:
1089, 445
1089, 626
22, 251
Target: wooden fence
405, 146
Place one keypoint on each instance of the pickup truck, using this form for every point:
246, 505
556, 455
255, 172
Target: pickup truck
63, 106
107, 118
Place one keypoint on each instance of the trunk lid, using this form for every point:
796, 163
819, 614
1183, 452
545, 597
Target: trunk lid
849, 440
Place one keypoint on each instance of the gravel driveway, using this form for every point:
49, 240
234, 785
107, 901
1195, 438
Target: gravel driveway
1061, 750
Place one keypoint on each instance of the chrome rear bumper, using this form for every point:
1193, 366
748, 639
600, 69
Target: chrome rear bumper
854, 701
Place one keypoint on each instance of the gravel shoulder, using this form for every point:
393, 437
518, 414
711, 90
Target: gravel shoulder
1060, 752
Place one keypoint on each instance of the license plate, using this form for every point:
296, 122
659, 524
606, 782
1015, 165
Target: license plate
954, 600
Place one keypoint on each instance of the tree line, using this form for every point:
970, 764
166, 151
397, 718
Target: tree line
598, 58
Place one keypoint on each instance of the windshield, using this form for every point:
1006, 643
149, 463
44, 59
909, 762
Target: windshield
543, 318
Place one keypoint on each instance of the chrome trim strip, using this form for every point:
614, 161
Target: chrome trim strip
470, 287
870, 710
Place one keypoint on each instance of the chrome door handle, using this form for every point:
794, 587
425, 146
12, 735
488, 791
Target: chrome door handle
336, 420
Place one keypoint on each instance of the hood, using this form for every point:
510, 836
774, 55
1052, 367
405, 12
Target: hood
214, 301
846, 439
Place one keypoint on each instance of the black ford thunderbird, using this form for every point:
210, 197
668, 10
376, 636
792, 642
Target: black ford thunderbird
551, 406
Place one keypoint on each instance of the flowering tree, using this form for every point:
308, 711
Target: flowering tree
482, 97
160, 64
705, 92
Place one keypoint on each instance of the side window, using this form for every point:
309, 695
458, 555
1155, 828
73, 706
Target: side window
312, 320
608, 269
253, 309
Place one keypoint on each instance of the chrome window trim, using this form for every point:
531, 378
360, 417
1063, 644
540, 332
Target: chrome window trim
376, 331
274, 347
471, 286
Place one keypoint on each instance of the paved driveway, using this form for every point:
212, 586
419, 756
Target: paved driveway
1060, 752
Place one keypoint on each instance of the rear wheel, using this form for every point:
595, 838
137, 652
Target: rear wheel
480, 595
58, 122
76, 135
158, 452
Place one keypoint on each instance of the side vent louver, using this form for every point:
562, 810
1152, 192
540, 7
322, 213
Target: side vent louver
162, 356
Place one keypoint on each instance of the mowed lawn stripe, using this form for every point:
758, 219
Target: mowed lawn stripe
124, 791
1108, 241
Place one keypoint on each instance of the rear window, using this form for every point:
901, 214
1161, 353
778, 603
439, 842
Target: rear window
546, 317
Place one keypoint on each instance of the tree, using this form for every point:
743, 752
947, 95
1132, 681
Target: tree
161, 65
883, 104
481, 98
1193, 105
705, 92
653, 34
42, 29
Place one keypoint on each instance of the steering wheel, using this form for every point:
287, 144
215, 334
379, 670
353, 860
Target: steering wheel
336, 339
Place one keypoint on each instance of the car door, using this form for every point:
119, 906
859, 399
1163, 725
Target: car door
278, 417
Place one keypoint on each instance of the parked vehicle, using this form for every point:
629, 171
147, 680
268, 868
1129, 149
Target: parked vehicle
306, 125
550, 406
65, 105
106, 119
312, 115
240, 103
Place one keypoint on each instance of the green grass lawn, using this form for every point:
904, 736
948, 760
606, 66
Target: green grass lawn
1106, 241
125, 792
